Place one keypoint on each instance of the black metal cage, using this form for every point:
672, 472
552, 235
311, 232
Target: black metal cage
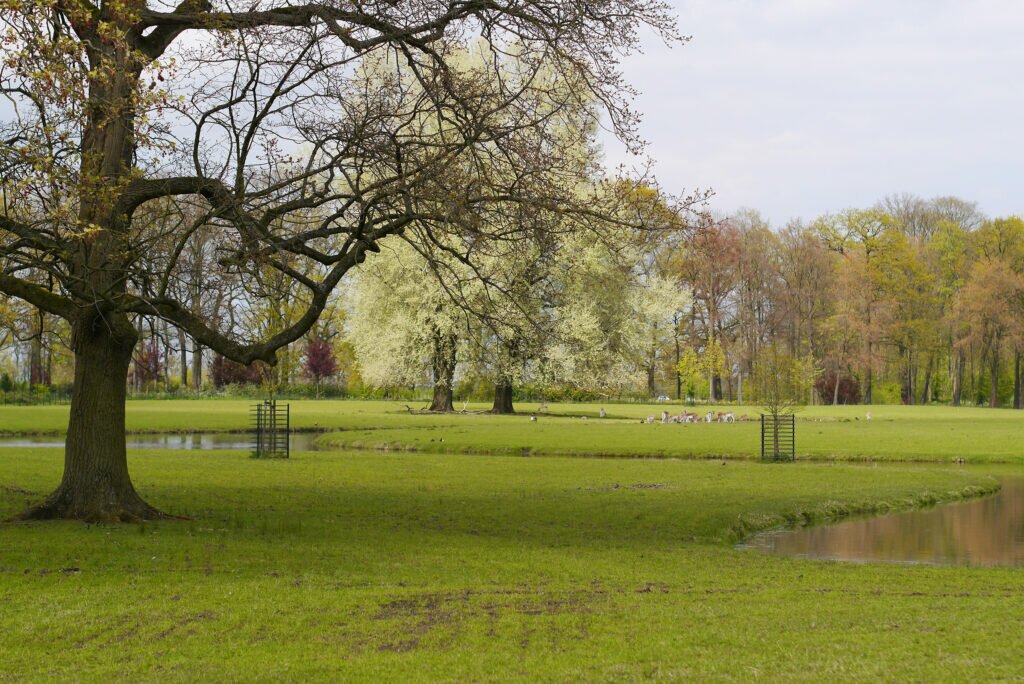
778, 437
271, 429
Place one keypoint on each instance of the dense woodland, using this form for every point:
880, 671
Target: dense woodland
909, 301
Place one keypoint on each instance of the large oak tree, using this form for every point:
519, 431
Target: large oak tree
289, 130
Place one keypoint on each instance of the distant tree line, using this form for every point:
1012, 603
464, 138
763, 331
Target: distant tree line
910, 301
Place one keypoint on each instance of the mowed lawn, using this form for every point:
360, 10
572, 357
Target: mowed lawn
923, 433
430, 566
410, 567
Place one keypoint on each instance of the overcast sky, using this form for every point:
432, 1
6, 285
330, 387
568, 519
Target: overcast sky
799, 107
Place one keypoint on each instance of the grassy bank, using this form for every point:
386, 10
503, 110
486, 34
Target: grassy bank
898, 433
399, 567
930, 433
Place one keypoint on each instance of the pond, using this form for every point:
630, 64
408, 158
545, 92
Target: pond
299, 441
988, 531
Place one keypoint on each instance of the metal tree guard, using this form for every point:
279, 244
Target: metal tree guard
778, 437
271, 429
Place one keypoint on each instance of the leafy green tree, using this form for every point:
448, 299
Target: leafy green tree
608, 315
403, 322
858, 236
1003, 239
781, 381
991, 311
689, 370
949, 254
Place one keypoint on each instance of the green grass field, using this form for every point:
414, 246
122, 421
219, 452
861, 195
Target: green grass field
824, 433
928, 433
374, 566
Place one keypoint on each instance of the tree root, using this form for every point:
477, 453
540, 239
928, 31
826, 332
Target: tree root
61, 507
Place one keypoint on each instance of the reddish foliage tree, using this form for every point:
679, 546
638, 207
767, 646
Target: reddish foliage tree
224, 371
149, 364
848, 391
320, 361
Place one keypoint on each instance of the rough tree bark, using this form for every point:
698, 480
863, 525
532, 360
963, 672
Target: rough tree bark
503, 398
37, 375
443, 359
443, 400
96, 486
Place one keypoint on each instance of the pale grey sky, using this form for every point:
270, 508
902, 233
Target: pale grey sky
799, 107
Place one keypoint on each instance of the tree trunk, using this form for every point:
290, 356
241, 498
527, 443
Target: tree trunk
49, 364
993, 389
1016, 379
835, 391
96, 486
869, 359
958, 377
183, 347
35, 362
679, 378
651, 389
166, 340
503, 398
972, 376
36, 374
926, 395
910, 389
135, 377
443, 360
443, 401
197, 366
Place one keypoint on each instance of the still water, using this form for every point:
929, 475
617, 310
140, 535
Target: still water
988, 531
299, 441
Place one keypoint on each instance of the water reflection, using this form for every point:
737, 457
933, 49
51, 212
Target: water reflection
988, 531
299, 441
